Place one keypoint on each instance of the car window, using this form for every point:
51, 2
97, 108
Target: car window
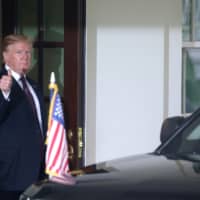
186, 141
195, 134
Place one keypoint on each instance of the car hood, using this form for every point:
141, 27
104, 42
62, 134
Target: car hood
142, 177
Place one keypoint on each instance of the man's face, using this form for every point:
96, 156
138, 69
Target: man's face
18, 57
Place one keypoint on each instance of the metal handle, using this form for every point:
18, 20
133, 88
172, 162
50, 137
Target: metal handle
70, 142
80, 142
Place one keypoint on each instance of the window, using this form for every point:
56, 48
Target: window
191, 55
43, 21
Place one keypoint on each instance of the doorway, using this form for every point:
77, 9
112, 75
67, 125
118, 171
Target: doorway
57, 30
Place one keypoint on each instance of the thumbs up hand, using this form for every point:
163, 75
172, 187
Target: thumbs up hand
6, 82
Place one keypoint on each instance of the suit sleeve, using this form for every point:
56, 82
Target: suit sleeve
4, 107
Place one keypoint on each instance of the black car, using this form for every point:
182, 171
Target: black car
171, 172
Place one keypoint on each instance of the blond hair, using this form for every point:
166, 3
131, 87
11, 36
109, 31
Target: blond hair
14, 38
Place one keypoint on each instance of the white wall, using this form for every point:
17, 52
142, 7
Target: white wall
133, 74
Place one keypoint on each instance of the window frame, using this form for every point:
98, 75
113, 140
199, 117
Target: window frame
192, 43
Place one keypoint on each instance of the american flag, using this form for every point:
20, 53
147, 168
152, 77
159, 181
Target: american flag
57, 163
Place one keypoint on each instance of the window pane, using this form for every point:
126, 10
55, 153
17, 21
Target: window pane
54, 20
34, 66
54, 62
197, 20
191, 64
27, 18
187, 6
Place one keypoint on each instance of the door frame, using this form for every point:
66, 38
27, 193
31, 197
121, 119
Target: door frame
74, 79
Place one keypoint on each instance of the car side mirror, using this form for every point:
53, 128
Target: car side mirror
169, 126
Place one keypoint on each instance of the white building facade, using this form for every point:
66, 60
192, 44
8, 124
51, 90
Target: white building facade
133, 74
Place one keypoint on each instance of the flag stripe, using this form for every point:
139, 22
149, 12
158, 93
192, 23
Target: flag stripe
53, 141
57, 161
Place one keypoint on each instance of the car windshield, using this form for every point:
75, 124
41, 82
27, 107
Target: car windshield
186, 141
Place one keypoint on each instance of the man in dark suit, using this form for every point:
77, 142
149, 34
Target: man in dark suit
22, 127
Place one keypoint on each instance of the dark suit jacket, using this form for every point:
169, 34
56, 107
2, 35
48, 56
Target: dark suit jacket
21, 144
